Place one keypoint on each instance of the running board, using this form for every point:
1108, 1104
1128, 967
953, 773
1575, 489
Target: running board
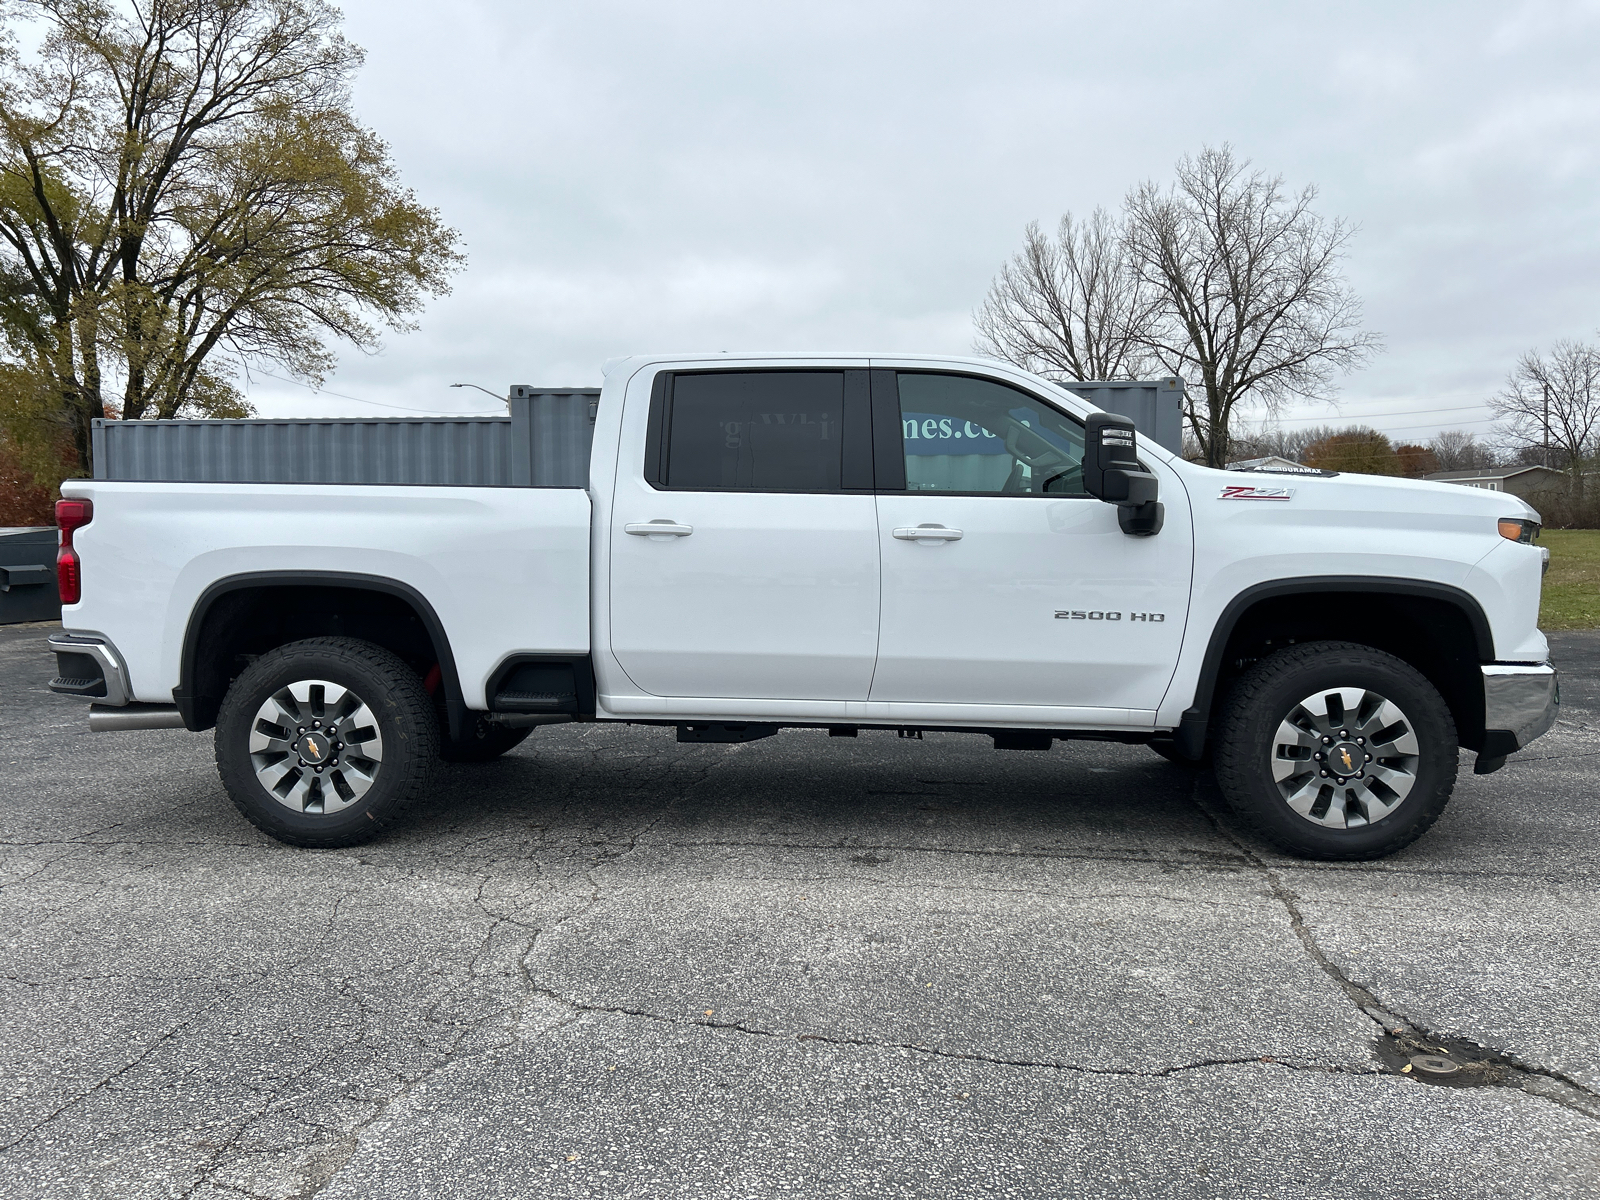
105, 718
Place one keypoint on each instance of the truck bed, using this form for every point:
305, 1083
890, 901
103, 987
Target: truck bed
505, 569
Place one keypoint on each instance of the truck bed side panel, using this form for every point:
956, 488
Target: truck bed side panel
505, 569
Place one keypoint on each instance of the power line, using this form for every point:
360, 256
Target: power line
379, 403
1410, 412
1437, 424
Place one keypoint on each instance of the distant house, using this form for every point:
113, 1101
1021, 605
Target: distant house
1519, 481
1272, 462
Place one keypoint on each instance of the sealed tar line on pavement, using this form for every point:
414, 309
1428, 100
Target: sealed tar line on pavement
613, 965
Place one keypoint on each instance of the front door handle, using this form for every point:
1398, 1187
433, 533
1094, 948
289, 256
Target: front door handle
660, 527
927, 535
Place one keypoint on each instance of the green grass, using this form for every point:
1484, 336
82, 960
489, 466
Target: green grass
1572, 587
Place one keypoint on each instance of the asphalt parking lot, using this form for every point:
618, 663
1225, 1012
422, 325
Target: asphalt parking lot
612, 966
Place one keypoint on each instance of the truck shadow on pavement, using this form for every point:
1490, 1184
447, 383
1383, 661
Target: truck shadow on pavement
801, 787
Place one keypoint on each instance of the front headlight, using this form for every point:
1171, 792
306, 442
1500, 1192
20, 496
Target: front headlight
1519, 529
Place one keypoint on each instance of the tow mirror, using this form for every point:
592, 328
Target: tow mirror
1112, 472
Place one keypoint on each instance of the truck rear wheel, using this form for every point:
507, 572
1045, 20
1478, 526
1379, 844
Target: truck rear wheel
1334, 750
323, 742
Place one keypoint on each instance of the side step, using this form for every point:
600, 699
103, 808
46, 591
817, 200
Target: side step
741, 732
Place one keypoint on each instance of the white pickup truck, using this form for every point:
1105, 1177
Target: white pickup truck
839, 542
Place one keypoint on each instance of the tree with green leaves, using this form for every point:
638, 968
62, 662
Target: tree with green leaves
184, 191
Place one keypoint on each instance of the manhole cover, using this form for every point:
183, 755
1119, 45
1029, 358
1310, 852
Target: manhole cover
1433, 1064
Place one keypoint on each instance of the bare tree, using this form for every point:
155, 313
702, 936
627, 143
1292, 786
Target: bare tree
1255, 308
1273, 439
1069, 308
1553, 402
1458, 450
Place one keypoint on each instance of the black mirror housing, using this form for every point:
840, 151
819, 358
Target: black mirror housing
1112, 472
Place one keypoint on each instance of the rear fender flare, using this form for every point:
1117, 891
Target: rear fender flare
194, 716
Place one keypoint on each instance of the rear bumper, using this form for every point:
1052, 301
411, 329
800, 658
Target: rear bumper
89, 666
1520, 703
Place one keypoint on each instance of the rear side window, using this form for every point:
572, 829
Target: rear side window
975, 436
757, 431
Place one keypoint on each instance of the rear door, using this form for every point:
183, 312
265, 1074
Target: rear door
744, 555
1003, 582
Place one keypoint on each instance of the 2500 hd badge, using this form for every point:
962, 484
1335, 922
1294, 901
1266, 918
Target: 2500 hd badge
1097, 615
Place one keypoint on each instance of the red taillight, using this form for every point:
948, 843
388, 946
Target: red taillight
69, 575
71, 515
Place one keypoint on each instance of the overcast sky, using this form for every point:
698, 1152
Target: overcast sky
685, 176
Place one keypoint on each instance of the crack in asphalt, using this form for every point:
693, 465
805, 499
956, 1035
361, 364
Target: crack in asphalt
331, 1164
1408, 1033
580, 1006
85, 1094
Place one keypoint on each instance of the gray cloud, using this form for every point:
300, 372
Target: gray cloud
632, 177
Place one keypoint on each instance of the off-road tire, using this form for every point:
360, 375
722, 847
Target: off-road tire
482, 741
398, 702
1264, 697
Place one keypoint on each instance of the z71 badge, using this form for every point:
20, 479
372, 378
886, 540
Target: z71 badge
1243, 491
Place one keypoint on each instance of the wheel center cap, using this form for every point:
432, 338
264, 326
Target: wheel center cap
1346, 758
314, 748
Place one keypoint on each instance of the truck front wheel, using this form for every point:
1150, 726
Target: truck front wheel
1334, 750
323, 742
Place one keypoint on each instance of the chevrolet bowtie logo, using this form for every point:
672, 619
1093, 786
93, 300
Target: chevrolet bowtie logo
316, 751
1349, 764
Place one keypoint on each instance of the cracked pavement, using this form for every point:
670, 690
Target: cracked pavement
610, 965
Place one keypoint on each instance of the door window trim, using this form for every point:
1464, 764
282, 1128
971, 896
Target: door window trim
856, 429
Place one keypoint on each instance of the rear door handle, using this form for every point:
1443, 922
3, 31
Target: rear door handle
927, 535
658, 528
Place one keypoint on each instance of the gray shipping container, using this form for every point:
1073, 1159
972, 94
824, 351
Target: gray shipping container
543, 441
1156, 406
28, 590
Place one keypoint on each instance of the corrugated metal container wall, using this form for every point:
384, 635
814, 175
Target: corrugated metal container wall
1156, 406
412, 450
543, 442
560, 433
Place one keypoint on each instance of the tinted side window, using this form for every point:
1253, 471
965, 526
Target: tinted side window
759, 431
973, 435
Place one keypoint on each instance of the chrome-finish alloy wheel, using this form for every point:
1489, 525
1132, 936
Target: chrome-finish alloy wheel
1345, 757
315, 746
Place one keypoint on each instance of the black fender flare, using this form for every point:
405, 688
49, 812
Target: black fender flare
449, 680
1190, 736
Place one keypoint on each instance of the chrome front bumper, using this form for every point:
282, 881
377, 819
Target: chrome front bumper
1520, 703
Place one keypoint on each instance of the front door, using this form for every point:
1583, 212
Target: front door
1003, 582
741, 565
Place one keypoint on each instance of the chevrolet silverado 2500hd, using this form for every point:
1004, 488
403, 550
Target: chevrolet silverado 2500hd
853, 543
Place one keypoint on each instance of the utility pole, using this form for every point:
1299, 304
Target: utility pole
1547, 424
